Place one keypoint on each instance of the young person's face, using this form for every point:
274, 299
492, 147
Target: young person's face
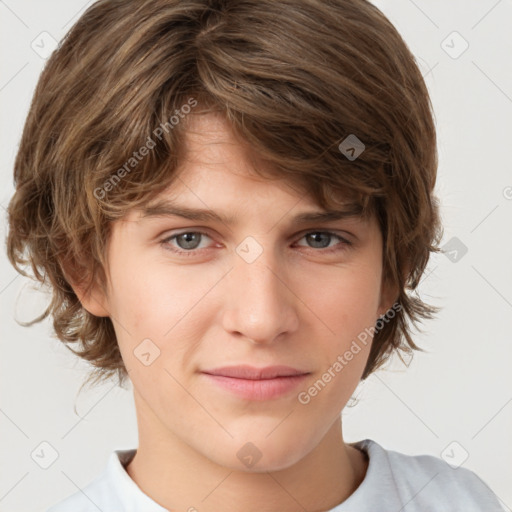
262, 292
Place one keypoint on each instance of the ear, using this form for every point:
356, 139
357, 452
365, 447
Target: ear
390, 291
388, 296
91, 295
94, 300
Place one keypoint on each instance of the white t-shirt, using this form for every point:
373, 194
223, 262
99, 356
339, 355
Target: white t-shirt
393, 482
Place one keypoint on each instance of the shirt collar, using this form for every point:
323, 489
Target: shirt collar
129, 494
378, 487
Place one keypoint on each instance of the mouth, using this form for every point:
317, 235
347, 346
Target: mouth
253, 383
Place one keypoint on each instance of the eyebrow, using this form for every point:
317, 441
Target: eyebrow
166, 208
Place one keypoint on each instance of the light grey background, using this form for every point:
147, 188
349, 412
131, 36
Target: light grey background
460, 391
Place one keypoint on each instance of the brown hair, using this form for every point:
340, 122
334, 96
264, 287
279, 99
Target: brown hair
293, 78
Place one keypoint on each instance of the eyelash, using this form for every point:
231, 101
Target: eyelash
192, 252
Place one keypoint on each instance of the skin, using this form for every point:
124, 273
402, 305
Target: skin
295, 305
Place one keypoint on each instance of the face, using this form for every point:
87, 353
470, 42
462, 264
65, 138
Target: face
226, 325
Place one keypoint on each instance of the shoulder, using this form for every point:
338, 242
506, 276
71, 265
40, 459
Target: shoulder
91, 498
427, 480
102, 493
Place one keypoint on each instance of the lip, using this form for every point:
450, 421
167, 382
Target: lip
253, 383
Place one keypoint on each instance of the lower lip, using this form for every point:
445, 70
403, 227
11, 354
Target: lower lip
263, 389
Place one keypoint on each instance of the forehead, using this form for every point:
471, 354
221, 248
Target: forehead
213, 155
220, 178
225, 198
211, 148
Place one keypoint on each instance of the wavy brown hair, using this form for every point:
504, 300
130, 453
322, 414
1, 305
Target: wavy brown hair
293, 78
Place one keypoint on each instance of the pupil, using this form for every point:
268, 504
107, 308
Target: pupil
188, 239
315, 236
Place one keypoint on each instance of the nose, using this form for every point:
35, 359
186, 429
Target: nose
259, 305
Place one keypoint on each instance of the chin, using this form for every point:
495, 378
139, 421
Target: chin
260, 454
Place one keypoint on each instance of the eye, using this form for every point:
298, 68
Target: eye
322, 240
188, 242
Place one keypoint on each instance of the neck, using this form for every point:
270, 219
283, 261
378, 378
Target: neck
179, 478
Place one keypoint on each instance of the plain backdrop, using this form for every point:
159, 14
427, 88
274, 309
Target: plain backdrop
454, 399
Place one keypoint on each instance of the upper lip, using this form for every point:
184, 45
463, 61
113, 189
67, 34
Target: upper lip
253, 373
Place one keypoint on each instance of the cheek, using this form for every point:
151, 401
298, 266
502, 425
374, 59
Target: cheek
152, 297
347, 309
163, 304
345, 302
